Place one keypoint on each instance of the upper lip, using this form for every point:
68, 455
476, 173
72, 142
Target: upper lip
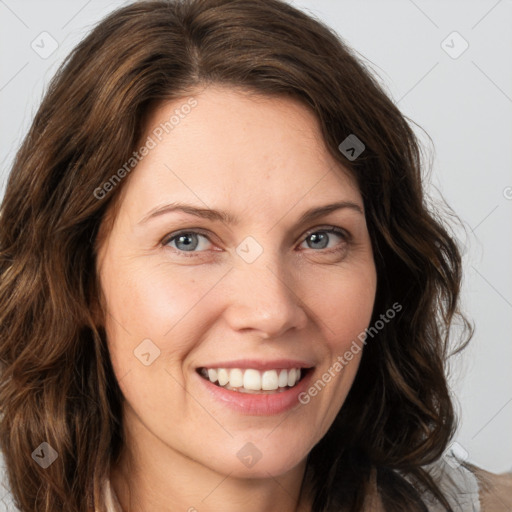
258, 364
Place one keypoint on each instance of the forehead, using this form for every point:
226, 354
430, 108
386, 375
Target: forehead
238, 151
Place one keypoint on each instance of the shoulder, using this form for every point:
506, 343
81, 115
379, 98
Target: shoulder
471, 489
458, 483
495, 491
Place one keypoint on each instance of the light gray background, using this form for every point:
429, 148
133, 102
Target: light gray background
463, 103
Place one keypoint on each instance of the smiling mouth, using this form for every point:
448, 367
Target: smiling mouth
254, 381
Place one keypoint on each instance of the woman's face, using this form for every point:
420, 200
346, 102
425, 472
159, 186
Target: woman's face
226, 260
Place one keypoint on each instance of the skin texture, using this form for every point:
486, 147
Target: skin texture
262, 159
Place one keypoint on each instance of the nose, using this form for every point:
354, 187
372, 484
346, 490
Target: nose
263, 299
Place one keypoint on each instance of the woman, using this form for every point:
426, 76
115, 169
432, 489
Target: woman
220, 286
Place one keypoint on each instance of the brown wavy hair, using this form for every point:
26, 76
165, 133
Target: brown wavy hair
57, 384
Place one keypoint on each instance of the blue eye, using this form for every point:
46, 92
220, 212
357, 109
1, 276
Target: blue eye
321, 238
187, 241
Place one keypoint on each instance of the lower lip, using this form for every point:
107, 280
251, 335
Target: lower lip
258, 404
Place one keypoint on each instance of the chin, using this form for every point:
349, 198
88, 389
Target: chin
259, 459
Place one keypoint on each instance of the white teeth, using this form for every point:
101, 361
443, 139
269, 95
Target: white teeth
269, 380
212, 375
222, 375
236, 378
291, 377
251, 380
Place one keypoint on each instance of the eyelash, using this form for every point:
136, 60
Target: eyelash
344, 235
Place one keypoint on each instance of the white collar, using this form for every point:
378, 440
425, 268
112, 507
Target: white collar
110, 499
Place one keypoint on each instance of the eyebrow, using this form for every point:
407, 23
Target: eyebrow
227, 218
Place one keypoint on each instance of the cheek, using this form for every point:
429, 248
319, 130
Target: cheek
154, 302
150, 300
343, 302
343, 306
